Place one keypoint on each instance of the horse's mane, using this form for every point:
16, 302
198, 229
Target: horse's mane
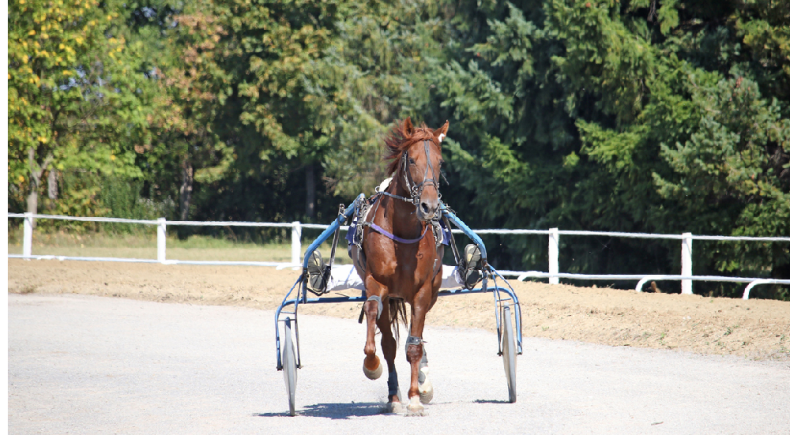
398, 141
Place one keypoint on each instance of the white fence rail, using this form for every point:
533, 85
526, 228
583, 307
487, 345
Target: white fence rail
686, 276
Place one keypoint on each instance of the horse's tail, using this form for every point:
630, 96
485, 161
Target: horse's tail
397, 313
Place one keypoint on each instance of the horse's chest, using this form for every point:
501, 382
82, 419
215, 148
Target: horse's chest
411, 275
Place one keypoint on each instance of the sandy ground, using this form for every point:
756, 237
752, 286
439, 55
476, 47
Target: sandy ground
758, 329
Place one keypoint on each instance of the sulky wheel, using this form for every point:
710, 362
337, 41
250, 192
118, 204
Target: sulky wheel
509, 353
289, 367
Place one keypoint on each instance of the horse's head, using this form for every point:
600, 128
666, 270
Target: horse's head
416, 161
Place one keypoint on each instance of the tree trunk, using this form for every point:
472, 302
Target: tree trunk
35, 180
185, 192
310, 182
32, 199
52, 185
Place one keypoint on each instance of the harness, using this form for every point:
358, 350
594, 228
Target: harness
415, 191
360, 219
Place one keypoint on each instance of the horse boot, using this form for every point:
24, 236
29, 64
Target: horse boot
425, 388
473, 260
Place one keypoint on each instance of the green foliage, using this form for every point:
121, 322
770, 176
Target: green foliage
124, 199
610, 115
75, 99
376, 75
602, 116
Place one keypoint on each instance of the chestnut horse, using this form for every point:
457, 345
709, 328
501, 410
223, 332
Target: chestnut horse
402, 260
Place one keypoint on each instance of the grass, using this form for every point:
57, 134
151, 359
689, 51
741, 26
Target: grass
143, 245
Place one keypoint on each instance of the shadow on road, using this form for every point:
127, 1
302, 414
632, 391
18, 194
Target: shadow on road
492, 401
335, 411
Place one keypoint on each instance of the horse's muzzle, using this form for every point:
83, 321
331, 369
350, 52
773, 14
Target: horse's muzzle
427, 210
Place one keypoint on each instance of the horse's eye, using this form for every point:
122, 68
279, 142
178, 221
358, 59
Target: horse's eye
411, 161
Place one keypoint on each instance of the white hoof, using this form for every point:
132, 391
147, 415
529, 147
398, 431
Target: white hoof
425, 388
374, 373
415, 408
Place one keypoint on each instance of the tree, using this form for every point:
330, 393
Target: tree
271, 51
608, 115
74, 97
190, 87
375, 74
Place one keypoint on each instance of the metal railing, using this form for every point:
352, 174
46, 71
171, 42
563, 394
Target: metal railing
686, 276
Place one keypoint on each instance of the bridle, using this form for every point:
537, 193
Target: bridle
414, 189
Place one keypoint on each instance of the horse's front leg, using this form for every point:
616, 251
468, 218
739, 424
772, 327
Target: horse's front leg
423, 301
373, 308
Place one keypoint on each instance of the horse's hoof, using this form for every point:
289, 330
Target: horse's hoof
374, 372
415, 408
394, 408
425, 388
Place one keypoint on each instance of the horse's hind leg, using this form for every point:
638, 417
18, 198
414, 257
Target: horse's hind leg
389, 347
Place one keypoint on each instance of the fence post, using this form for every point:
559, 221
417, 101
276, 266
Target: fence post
161, 240
554, 254
296, 242
685, 264
27, 237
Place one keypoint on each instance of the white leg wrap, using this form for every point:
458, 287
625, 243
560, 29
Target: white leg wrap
425, 388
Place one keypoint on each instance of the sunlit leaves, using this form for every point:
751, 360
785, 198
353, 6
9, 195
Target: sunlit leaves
68, 98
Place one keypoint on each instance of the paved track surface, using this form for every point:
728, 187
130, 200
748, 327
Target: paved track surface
81, 364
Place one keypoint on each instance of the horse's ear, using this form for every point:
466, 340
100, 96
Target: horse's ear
407, 127
442, 132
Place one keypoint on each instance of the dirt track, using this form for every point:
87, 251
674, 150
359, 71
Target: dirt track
754, 328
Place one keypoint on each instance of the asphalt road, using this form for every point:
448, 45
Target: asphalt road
79, 364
